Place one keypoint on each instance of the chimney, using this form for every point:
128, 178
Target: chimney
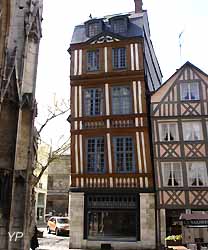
138, 6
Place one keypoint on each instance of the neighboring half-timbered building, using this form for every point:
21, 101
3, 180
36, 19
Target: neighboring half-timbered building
179, 110
113, 68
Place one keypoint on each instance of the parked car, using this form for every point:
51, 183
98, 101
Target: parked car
59, 225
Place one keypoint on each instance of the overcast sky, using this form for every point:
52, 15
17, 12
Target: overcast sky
167, 18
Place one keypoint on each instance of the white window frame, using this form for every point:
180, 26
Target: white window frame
171, 166
192, 130
169, 131
189, 85
199, 173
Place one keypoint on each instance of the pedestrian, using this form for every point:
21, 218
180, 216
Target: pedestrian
34, 240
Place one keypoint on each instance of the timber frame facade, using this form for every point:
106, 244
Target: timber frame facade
112, 183
179, 114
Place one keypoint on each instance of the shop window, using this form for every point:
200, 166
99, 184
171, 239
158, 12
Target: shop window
192, 131
119, 58
189, 91
95, 155
121, 100
124, 154
112, 216
172, 174
197, 174
93, 101
168, 131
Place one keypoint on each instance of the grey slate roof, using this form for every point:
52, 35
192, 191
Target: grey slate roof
135, 28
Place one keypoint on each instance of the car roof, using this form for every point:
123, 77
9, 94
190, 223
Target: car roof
58, 217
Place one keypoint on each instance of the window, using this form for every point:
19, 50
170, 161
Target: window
94, 29
93, 60
95, 155
119, 58
119, 26
121, 100
197, 174
50, 182
168, 131
124, 154
172, 174
192, 131
112, 216
189, 91
93, 101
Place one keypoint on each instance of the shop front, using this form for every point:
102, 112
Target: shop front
112, 217
195, 230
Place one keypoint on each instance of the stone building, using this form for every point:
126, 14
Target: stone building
113, 70
20, 33
59, 175
41, 189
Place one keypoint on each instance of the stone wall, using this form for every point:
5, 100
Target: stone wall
58, 185
76, 214
162, 225
147, 220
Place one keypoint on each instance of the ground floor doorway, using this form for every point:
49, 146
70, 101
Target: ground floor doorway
173, 224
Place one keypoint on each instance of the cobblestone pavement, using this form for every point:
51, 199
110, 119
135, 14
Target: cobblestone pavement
52, 242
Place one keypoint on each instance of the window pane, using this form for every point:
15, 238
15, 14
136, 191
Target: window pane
168, 131
172, 132
124, 154
114, 224
93, 101
192, 131
119, 26
95, 155
172, 174
94, 29
184, 91
121, 100
189, 91
119, 58
194, 91
197, 174
93, 60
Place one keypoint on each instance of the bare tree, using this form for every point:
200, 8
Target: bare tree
58, 109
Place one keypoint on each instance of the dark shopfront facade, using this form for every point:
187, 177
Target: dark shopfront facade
112, 217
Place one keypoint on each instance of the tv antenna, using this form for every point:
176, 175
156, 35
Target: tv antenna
180, 45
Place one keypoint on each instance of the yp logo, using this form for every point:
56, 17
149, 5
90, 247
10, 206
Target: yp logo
15, 236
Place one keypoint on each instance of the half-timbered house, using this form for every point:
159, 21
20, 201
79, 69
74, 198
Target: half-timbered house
179, 110
113, 68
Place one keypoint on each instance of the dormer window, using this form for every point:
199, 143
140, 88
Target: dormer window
93, 27
119, 26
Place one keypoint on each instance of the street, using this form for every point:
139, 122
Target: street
52, 242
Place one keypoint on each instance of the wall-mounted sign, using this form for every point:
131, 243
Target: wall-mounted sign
195, 223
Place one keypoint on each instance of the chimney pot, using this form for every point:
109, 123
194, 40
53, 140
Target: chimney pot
138, 6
